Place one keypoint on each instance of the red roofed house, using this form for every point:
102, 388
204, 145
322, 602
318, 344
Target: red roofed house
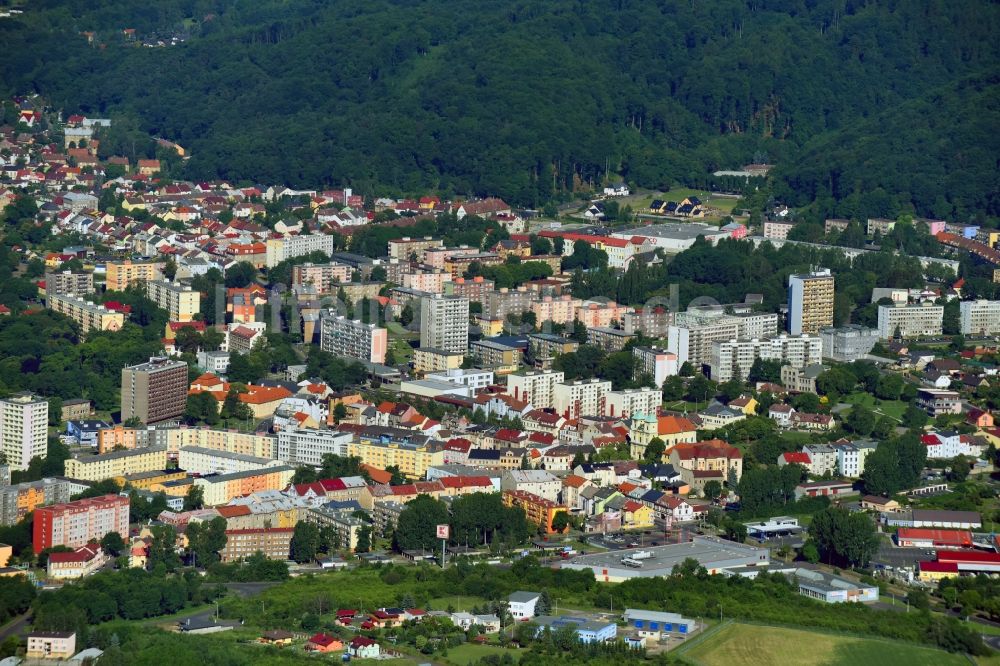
81, 562
979, 418
363, 648
794, 458
710, 455
324, 643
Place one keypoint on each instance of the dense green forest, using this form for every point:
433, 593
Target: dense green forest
869, 107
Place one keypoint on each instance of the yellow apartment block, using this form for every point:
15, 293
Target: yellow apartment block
89, 316
122, 274
412, 460
118, 463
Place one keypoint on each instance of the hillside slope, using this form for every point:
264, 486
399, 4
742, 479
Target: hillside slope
522, 99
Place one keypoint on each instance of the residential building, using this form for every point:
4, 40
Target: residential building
801, 380
475, 289
117, 463
735, 358
341, 336
68, 282
81, 562
851, 458
429, 359
501, 358
600, 314
76, 524
608, 339
585, 397
223, 488
537, 510
880, 226
692, 342
300, 446
17, 501
502, 302
216, 362
711, 455
444, 322
121, 275
90, 316
979, 317
949, 444
653, 322
325, 277
810, 301
522, 604
671, 429
535, 387
848, 343
201, 460
24, 429
832, 489
76, 408
341, 524
627, 402
476, 380
938, 401
910, 321
289, 247
51, 645
535, 481
384, 447
656, 362
181, 303
556, 309
778, 229
274, 543
154, 391
412, 249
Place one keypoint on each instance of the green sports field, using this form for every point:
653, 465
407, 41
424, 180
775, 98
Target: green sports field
749, 645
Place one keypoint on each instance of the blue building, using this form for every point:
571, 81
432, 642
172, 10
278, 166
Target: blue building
85, 431
656, 625
587, 631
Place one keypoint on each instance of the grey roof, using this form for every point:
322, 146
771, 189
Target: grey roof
522, 597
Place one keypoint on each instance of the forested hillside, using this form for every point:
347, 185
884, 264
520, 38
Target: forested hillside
863, 104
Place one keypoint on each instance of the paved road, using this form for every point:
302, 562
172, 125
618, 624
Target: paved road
16, 627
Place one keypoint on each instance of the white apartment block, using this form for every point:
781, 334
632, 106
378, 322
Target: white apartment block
444, 322
848, 343
475, 379
810, 301
201, 460
655, 362
734, 357
535, 387
632, 401
90, 316
535, 481
403, 249
980, 317
910, 320
580, 398
182, 303
823, 458
693, 344
341, 336
851, 458
301, 446
280, 249
24, 428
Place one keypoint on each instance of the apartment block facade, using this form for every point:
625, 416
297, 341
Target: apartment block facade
90, 316
68, 282
444, 322
585, 397
810, 301
154, 391
736, 357
117, 463
121, 275
24, 428
910, 321
341, 336
537, 388
181, 303
979, 317
76, 524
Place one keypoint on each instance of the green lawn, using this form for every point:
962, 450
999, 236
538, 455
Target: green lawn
892, 408
748, 645
457, 602
468, 653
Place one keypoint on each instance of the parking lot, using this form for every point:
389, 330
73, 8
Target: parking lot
901, 558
